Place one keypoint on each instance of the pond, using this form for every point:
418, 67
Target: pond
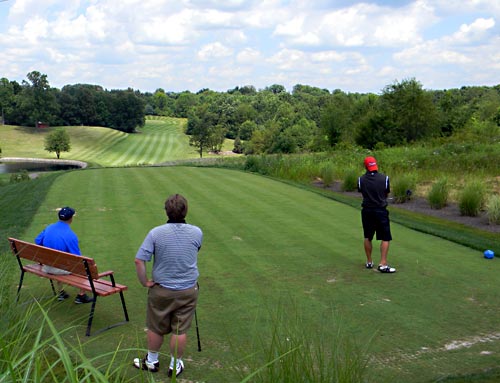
10, 166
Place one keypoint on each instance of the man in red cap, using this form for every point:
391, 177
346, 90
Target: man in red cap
375, 188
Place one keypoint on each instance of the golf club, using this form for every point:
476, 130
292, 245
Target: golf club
196, 322
197, 330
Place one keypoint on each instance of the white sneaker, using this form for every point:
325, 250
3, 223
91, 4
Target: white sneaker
143, 364
386, 269
178, 370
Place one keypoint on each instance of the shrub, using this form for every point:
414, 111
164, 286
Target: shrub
402, 188
493, 209
350, 182
438, 195
471, 199
327, 174
252, 164
19, 177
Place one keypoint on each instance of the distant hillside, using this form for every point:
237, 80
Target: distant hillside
161, 139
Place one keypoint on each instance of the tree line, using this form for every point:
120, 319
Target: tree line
310, 119
35, 102
270, 120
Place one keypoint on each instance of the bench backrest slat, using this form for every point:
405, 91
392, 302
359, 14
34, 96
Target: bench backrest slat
55, 258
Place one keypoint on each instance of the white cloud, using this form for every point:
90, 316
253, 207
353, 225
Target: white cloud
35, 29
430, 54
248, 56
214, 51
371, 25
287, 58
171, 44
292, 27
474, 31
328, 56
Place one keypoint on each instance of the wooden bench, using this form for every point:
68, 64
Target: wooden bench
84, 274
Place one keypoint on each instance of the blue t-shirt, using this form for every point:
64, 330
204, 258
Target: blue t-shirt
59, 236
175, 249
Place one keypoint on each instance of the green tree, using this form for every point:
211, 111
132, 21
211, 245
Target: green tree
163, 104
376, 129
246, 130
335, 118
58, 141
412, 110
126, 110
184, 103
202, 127
7, 100
454, 111
37, 100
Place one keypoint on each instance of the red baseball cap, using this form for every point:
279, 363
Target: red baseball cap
371, 164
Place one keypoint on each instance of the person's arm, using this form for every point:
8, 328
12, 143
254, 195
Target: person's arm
140, 267
73, 246
39, 238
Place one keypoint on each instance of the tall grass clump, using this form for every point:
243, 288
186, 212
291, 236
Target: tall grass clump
327, 174
32, 349
439, 193
402, 187
493, 209
350, 182
294, 352
471, 198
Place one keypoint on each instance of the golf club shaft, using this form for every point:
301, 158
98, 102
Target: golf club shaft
197, 330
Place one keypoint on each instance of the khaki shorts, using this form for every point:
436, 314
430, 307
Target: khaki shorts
170, 311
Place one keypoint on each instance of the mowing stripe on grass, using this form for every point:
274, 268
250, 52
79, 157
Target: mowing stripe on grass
84, 139
104, 149
160, 146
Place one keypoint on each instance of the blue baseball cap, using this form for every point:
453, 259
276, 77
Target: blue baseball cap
66, 213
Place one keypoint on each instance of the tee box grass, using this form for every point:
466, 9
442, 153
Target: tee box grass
269, 244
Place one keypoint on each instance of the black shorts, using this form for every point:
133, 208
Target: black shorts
376, 221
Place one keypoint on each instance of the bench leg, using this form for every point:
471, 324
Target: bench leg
91, 315
20, 285
52, 285
123, 305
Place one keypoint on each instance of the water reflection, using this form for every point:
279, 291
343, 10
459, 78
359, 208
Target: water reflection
36, 166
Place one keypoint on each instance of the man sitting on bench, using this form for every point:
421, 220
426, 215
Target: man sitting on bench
59, 236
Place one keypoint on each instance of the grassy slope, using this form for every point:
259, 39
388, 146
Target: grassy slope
266, 243
159, 141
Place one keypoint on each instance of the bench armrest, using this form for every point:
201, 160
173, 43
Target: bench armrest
106, 273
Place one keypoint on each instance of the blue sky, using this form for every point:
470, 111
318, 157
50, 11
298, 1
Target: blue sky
220, 44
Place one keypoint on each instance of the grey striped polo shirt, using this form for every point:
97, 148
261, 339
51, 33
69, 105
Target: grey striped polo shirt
174, 249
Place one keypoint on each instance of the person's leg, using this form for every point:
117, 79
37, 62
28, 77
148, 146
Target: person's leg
154, 341
384, 250
368, 250
368, 233
178, 345
150, 362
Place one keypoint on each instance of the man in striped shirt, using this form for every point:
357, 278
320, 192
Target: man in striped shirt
173, 289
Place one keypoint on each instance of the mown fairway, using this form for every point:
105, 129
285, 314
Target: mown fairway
160, 140
269, 244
